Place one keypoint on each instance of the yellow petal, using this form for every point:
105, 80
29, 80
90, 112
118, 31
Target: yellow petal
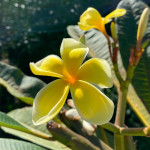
49, 101
73, 53
92, 105
51, 65
91, 17
115, 13
96, 71
84, 27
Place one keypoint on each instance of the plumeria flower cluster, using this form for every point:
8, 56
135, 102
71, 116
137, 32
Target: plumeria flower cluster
92, 105
91, 18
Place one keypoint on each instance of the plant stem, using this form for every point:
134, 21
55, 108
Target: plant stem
121, 108
109, 45
117, 73
70, 138
120, 117
135, 131
143, 131
119, 142
111, 127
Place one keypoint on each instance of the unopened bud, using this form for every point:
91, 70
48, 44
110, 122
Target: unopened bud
142, 24
113, 31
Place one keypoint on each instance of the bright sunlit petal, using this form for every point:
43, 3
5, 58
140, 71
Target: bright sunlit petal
51, 65
96, 71
49, 101
92, 105
84, 27
73, 53
114, 14
90, 18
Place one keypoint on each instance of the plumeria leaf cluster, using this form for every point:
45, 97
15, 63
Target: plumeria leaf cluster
141, 80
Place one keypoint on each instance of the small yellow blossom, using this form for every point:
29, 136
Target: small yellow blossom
92, 105
91, 18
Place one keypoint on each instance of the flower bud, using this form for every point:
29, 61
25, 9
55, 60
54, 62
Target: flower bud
142, 24
113, 31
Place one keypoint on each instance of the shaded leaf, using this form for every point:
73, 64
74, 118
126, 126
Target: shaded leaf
50, 144
24, 117
9, 122
10, 144
18, 84
127, 30
98, 48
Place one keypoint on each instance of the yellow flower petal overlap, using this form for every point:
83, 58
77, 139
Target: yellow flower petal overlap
91, 18
92, 105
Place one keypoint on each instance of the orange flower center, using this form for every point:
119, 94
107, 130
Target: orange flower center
69, 78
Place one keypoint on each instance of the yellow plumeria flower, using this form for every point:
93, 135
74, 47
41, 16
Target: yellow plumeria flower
91, 18
92, 104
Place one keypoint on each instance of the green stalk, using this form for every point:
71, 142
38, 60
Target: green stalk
120, 117
119, 142
145, 131
111, 127
109, 45
122, 98
121, 107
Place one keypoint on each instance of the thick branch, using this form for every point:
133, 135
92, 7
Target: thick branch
70, 138
135, 131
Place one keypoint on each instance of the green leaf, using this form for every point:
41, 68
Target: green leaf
98, 48
9, 122
127, 30
24, 117
18, 84
50, 144
10, 144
